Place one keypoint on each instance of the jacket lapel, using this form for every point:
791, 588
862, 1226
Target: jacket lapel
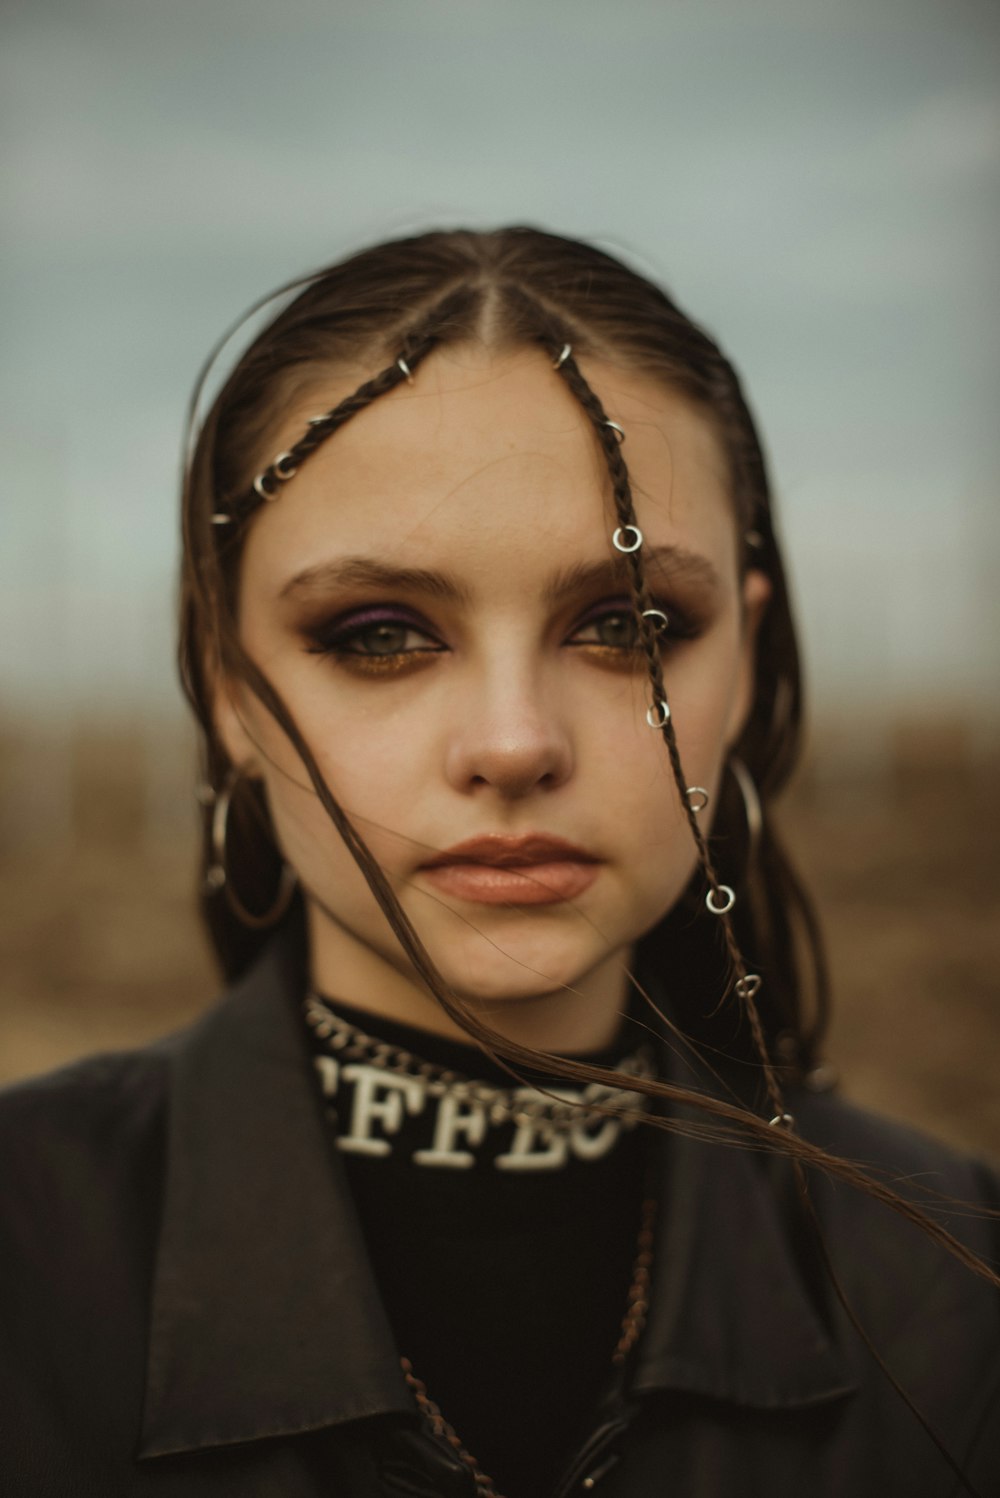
265, 1318
730, 1316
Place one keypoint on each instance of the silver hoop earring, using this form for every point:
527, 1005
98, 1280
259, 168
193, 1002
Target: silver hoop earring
217, 877
752, 809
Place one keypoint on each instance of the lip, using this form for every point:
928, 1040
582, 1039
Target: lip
501, 851
496, 869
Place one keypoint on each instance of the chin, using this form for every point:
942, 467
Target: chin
512, 971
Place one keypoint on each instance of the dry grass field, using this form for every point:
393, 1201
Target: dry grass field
99, 946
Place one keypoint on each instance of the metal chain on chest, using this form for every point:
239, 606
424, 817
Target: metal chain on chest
502, 1104
348, 1043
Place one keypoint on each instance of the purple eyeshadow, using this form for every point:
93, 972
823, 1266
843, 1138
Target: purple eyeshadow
376, 615
604, 608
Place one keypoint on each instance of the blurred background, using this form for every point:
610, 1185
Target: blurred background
819, 184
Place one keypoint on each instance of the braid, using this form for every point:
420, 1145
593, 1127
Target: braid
414, 348
415, 345
481, 293
719, 898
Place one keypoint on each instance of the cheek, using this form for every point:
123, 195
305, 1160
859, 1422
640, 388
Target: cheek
702, 684
704, 690
376, 771
638, 777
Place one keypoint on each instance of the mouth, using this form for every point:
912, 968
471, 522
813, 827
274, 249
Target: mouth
497, 870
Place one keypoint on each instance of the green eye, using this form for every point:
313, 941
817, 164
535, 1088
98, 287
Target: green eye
381, 639
617, 631
610, 629
373, 640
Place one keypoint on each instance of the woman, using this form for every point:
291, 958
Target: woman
507, 1165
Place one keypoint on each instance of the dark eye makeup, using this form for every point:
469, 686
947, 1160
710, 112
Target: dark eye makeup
611, 625
379, 638
385, 638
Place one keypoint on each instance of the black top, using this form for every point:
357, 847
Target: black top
188, 1310
504, 1283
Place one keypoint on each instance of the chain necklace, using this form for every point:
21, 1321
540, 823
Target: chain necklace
503, 1105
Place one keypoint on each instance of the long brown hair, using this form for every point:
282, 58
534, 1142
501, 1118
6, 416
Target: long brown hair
508, 287
386, 309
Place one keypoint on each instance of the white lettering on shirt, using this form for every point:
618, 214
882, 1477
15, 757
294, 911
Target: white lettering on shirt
592, 1146
378, 1101
455, 1115
369, 1107
531, 1132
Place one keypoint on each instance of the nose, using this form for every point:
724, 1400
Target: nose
511, 739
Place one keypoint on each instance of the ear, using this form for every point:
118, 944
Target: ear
231, 720
756, 597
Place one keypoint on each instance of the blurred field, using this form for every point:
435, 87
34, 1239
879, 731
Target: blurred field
100, 948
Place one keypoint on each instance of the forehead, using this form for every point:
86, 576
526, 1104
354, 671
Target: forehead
489, 457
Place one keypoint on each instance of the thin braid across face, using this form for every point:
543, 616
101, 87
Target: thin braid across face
628, 541
416, 345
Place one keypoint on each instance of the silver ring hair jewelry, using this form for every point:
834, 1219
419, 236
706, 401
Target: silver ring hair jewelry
402, 364
217, 877
619, 543
261, 489
659, 618
281, 466
659, 714
567, 349
618, 431
748, 986
696, 793
728, 900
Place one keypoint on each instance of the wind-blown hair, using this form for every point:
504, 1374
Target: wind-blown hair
383, 311
508, 288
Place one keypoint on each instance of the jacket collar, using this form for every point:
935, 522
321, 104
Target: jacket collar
266, 1320
730, 1316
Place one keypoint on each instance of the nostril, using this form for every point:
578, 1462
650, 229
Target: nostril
513, 760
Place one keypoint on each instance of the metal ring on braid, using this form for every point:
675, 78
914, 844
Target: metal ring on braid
415, 346
554, 341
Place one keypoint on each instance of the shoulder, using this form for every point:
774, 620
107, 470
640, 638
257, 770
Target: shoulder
82, 1168
77, 1143
87, 1101
908, 1262
914, 1163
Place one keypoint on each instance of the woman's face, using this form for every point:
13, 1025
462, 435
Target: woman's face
436, 596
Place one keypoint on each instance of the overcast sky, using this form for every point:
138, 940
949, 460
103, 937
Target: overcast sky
816, 180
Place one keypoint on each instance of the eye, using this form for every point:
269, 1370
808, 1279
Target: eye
386, 638
614, 627
610, 634
610, 626
374, 639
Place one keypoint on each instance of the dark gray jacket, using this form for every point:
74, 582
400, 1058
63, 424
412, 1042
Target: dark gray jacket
186, 1307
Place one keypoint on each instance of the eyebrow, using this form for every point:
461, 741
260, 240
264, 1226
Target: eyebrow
670, 562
